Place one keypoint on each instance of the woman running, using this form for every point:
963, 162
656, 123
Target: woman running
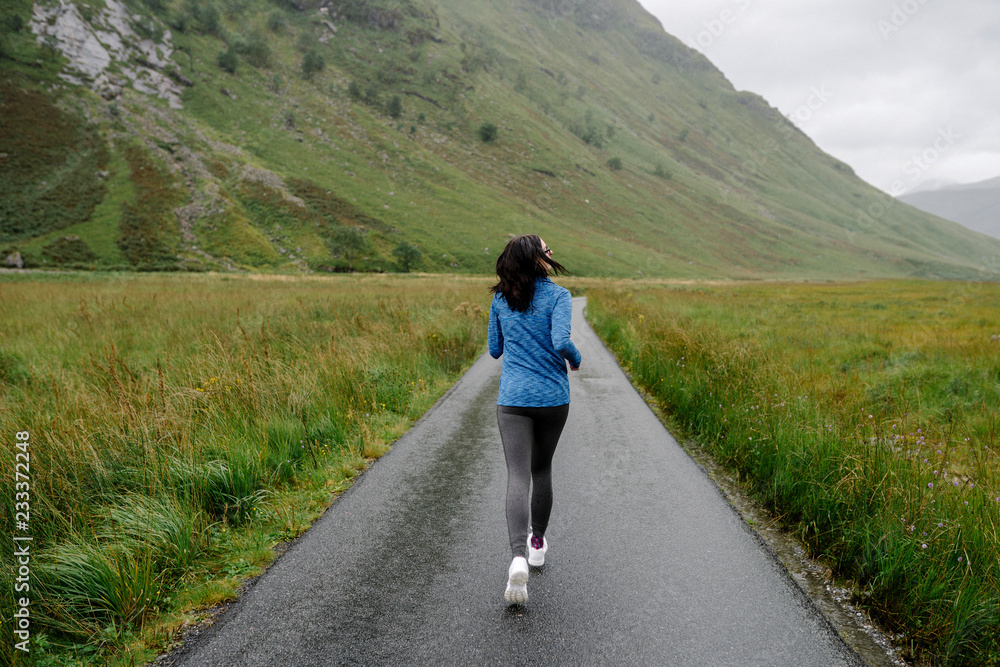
530, 326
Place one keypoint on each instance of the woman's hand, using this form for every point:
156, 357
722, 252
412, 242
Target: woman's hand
574, 368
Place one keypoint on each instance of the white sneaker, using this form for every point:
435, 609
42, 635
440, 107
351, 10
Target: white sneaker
517, 581
536, 557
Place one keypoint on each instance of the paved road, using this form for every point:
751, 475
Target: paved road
648, 564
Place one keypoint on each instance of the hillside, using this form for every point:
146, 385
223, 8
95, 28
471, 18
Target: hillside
976, 205
308, 135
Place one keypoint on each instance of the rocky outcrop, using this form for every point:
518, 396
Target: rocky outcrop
105, 52
14, 260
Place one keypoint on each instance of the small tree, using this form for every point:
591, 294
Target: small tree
232, 8
348, 243
408, 256
276, 21
12, 23
228, 60
312, 62
395, 106
615, 164
488, 132
254, 49
208, 17
180, 21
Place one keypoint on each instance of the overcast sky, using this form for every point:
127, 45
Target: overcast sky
907, 92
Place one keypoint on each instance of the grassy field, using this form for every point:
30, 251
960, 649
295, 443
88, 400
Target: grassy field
182, 426
863, 414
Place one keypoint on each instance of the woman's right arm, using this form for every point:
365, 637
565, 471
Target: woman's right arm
562, 316
495, 333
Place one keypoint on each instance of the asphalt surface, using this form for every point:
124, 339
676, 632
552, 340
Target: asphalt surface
647, 565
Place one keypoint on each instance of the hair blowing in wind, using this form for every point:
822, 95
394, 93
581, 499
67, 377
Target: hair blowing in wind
520, 263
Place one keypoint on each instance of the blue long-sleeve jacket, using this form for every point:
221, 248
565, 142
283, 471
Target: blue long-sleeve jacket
535, 346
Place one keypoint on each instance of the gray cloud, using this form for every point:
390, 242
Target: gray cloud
905, 91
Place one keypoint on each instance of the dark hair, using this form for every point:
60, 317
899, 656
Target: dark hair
520, 263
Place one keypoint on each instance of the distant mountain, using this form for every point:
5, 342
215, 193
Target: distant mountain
976, 205
366, 135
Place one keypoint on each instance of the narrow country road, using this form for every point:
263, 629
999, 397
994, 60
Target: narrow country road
647, 565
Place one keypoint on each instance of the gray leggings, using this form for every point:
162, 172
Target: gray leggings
530, 436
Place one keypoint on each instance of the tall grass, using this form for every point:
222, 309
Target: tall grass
865, 415
180, 424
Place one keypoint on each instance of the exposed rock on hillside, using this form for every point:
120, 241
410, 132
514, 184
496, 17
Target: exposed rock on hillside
105, 51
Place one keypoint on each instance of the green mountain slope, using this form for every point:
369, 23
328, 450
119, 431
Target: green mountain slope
358, 135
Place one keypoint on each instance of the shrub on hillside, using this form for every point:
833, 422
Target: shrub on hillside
335, 210
276, 22
148, 224
349, 244
662, 172
233, 8
180, 21
70, 250
155, 5
368, 14
254, 49
49, 178
488, 132
615, 164
588, 132
208, 17
395, 107
306, 41
228, 60
11, 23
312, 62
